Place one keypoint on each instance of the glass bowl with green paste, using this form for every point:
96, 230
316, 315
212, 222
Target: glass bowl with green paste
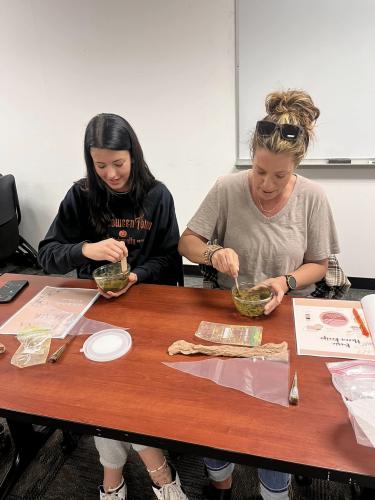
110, 277
250, 300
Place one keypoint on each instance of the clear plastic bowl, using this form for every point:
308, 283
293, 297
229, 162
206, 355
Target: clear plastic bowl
251, 299
110, 277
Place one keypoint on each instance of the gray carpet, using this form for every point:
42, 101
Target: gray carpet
55, 475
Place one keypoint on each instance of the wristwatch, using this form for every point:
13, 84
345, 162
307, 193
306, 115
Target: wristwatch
291, 282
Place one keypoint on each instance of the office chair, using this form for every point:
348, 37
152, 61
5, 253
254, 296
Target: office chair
12, 243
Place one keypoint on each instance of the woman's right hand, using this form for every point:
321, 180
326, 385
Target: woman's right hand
226, 261
110, 249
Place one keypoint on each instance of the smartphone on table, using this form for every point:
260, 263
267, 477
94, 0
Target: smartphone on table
10, 289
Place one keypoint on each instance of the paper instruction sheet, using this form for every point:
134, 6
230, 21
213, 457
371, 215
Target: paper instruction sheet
328, 327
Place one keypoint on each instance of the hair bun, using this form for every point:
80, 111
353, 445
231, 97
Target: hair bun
295, 105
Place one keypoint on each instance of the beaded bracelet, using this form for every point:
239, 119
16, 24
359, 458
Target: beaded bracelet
208, 253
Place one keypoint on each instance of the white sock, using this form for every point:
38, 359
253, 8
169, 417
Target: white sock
271, 495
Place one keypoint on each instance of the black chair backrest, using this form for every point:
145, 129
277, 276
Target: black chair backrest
10, 216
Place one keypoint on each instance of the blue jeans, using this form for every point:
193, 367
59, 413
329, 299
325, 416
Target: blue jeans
276, 482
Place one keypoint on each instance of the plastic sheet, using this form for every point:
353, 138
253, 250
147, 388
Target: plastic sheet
355, 381
85, 326
262, 378
53, 309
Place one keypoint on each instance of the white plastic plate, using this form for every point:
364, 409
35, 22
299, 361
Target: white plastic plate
107, 345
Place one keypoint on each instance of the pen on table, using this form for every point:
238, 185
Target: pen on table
360, 322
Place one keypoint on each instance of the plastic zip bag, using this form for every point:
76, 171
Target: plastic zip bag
34, 348
355, 381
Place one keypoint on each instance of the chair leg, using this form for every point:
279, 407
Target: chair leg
303, 480
27, 441
69, 441
361, 493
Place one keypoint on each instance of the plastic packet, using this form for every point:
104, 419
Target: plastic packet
361, 414
262, 378
34, 348
355, 381
243, 335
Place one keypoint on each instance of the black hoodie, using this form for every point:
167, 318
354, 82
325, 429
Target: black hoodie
151, 238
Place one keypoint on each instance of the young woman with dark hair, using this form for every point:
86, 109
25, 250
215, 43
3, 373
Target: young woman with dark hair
118, 210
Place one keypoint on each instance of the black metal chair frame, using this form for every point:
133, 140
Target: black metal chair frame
10, 218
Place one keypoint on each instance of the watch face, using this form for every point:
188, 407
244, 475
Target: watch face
291, 280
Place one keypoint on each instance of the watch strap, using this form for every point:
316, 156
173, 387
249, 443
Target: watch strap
288, 278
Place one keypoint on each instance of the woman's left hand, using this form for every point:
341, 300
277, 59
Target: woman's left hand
133, 278
279, 288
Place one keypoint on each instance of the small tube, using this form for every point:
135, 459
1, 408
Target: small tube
294, 395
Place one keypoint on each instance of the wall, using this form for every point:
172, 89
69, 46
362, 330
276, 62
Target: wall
328, 49
351, 192
167, 66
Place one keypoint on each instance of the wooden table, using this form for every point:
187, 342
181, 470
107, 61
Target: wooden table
138, 399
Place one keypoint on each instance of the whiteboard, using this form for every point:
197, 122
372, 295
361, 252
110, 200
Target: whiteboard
326, 47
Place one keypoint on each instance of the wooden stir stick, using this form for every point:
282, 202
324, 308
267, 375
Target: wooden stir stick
124, 265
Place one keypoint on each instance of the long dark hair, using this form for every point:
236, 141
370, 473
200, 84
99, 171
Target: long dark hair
109, 131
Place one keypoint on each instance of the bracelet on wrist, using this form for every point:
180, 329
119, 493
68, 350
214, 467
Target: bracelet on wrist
208, 253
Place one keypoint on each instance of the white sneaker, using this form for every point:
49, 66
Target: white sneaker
119, 493
171, 491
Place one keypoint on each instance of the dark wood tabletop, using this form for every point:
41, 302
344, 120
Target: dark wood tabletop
139, 399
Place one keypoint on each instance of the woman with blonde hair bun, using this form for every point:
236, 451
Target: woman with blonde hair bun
272, 226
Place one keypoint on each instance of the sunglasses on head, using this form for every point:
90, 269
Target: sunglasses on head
287, 131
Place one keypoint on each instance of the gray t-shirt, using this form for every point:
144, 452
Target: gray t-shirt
267, 247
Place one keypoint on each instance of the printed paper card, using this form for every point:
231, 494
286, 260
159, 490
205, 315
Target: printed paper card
329, 327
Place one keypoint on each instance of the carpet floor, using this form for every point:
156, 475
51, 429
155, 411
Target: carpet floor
55, 474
